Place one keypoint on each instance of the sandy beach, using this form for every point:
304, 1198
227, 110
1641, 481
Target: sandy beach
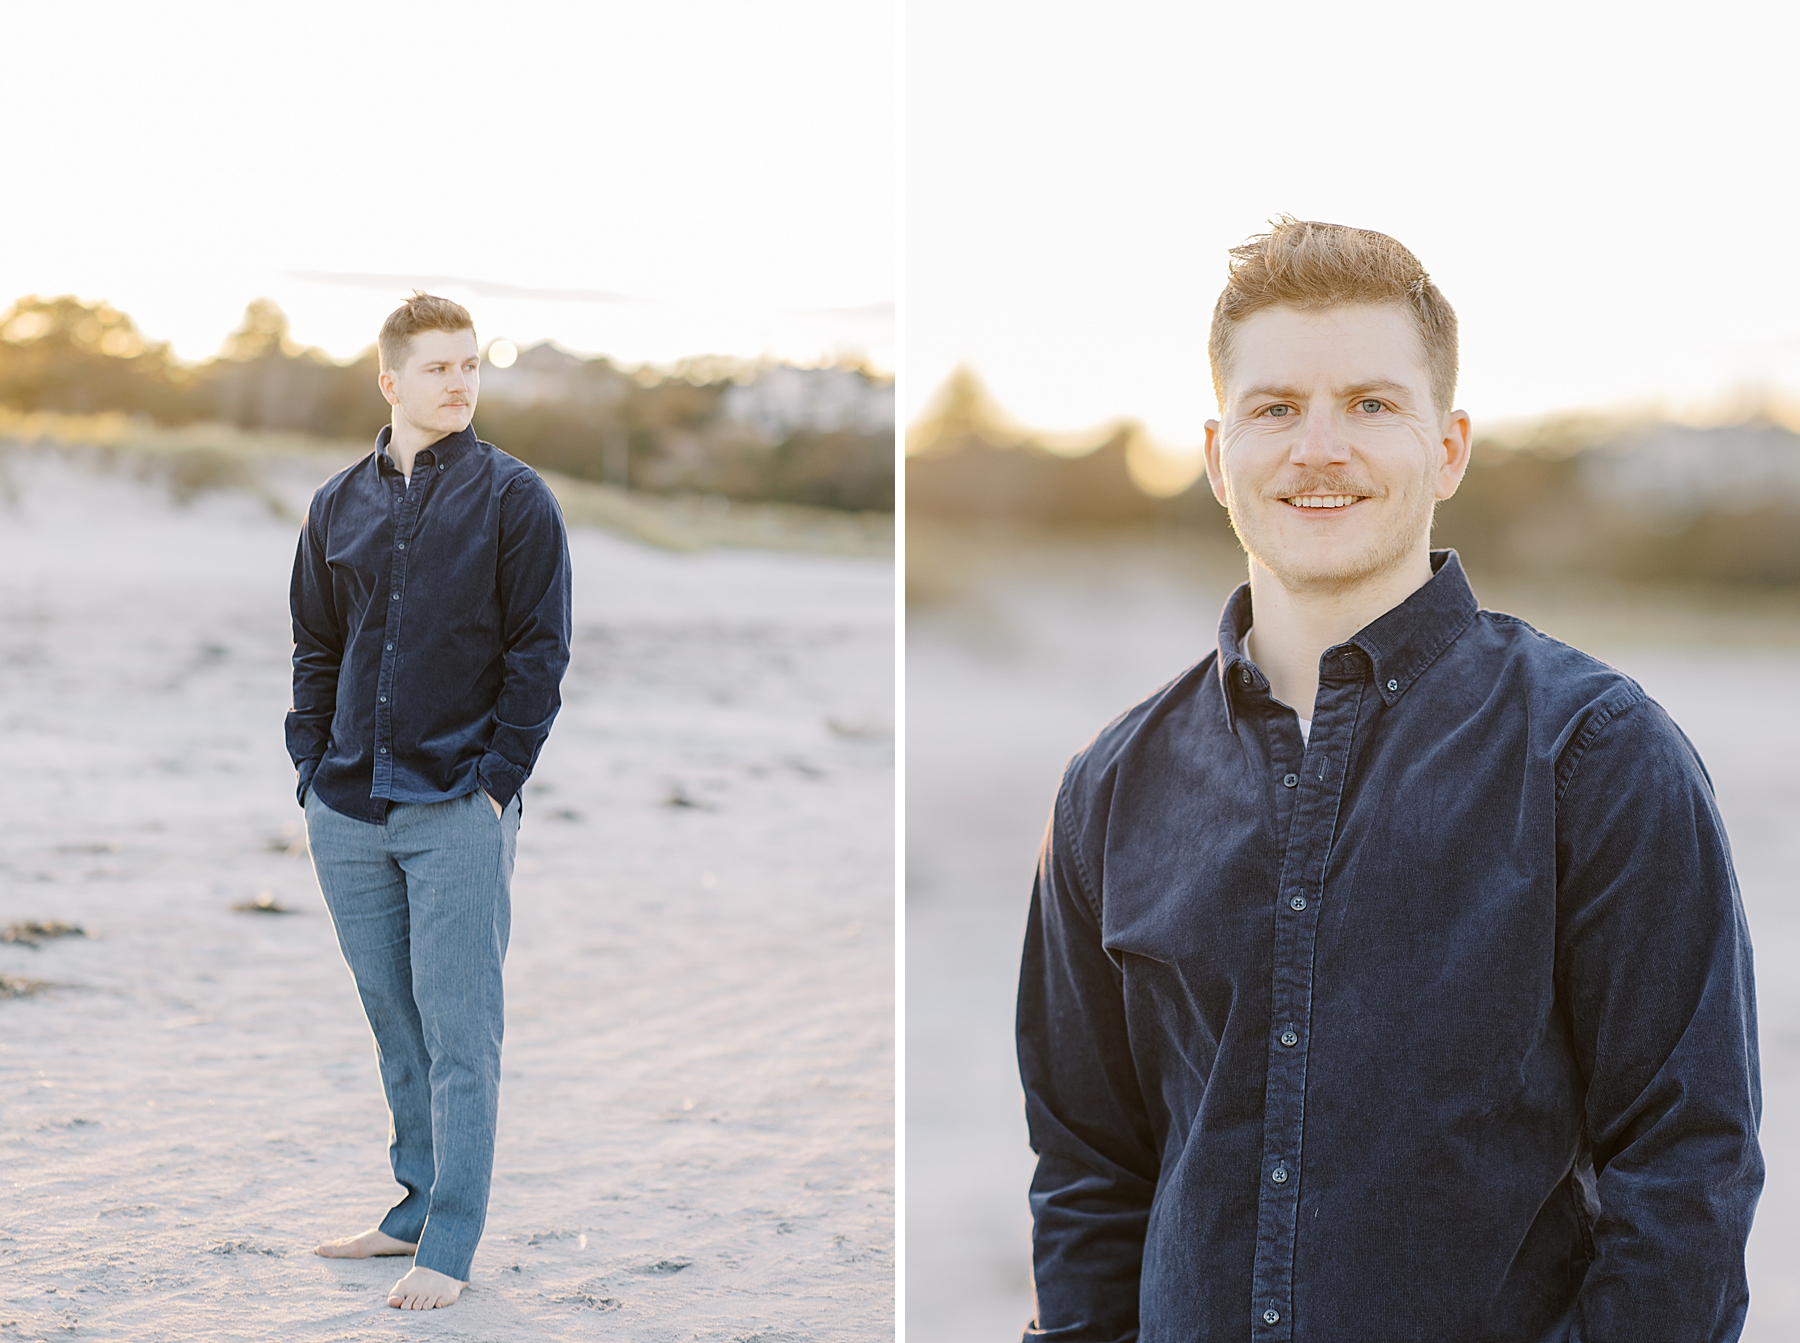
696, 1132
1015, 659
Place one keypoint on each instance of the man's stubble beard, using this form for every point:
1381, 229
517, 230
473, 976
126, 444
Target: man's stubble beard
1386, 552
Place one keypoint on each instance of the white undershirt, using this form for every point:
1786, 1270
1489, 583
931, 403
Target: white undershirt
1305, 723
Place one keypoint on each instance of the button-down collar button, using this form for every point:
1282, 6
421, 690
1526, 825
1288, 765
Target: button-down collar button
1298, 902
1271, 1317
1393, 685
1289, 780
1279, 1175
440, 466
1289, 1039
1245, 673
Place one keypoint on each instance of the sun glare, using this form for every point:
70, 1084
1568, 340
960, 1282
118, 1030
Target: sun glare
502, 353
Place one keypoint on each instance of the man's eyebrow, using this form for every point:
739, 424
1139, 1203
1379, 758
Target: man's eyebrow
1386, 385
1276, 393
1378, 385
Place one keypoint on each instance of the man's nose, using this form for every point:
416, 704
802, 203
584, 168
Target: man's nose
1322, 441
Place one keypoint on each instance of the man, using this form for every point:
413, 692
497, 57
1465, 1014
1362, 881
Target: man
431, 630
1386, 976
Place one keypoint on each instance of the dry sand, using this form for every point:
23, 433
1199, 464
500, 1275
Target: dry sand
1015, 659
696, 1131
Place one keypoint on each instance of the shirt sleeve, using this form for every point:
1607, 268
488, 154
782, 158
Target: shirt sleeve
1097, 1155
535, 625
318, 652
1654, 963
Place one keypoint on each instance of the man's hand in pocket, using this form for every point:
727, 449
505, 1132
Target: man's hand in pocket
490, 800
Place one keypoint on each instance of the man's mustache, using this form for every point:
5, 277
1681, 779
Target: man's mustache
1325, 483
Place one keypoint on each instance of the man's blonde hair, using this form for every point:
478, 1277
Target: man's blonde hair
421, 312
1308, 265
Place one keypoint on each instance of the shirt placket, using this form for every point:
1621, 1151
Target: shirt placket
1317, 792
406, 516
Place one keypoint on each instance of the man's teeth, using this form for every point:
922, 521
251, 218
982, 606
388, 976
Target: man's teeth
1323, 500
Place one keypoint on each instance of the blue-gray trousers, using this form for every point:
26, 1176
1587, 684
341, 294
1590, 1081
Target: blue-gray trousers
423, 907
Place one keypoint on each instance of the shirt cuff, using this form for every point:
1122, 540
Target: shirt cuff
499, 778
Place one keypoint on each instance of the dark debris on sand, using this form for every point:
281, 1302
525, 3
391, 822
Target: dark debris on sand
17, 986
680, 797
263, 904
31, 933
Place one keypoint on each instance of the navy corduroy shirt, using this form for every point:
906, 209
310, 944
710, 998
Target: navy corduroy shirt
1437, 1026
431, 628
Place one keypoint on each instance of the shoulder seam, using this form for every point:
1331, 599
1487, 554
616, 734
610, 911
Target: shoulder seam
518, 478
1075, 856
1577, 750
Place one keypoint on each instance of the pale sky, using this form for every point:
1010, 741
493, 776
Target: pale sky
1606, 193
727, 170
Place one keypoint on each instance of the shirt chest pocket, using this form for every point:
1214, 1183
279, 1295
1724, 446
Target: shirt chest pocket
1198, 934
359, 566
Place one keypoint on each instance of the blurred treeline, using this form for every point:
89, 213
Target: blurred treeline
1616, 498
764, 432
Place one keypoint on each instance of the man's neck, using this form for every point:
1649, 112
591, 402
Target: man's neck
406, 441
1294, 627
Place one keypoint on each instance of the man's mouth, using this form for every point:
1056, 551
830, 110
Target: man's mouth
1323, 500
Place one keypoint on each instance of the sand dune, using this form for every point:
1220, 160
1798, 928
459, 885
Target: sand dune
696, 1125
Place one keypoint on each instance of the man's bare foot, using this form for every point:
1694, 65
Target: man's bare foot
425, 1289
366, 1246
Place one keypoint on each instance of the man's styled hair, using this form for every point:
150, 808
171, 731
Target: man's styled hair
421, 312
1308, 265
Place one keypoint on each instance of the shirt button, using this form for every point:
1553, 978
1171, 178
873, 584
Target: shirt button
390, 648
1289, 1039
1279, 1175
1393, 685
382, 749
1297, 903
401, 546
1271, 1317
396, 596
382, 698
1246, 675
1289, 780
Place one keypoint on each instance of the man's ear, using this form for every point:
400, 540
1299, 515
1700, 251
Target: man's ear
386, 381
1458, 441
1215, 471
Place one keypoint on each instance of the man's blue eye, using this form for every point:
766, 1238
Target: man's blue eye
1372, 407
1278, 412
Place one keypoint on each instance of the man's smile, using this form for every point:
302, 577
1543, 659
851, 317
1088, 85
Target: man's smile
1327, 501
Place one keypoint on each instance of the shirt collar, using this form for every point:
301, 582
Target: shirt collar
1400, 645
446, 449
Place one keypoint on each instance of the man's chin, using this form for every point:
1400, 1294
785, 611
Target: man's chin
1324, 570
443, 424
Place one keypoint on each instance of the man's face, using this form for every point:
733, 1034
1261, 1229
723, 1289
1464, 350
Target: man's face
1330, 453
436, 386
